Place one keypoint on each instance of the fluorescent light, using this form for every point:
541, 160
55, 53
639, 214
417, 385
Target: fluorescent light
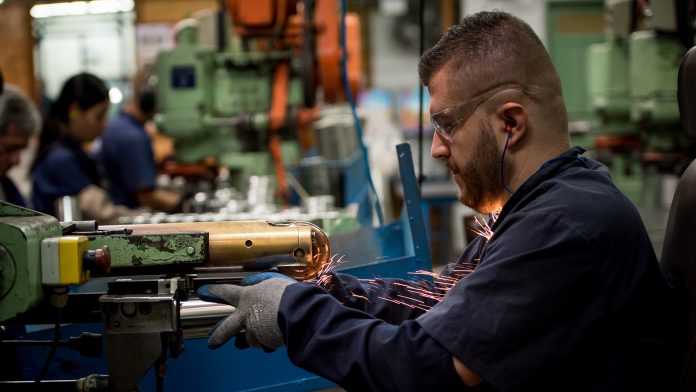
81, 8
109, 6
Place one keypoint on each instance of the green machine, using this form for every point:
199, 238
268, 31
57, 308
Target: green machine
136, 280
21, 232
217, 102
38, 252
632, 87
242, 87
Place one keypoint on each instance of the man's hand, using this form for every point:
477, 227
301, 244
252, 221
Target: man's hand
159, 199
256, 312
262, 276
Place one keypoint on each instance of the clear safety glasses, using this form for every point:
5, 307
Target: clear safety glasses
445, 121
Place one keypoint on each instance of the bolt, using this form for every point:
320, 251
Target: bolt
145, 308
190, 250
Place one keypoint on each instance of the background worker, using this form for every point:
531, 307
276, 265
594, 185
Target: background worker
566, 294
19, 120
127, 155
63, 166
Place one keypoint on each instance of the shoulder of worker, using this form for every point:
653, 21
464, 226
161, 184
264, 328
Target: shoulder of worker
57, 158
124, 127
584, 194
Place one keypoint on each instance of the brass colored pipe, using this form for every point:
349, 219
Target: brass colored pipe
298, 249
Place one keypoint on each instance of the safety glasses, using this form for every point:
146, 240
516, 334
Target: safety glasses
445, 121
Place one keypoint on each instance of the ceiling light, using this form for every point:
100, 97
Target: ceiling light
81, 8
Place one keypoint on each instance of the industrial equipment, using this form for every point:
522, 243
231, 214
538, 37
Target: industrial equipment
251, 101
145, 315
248, 97
144, 308
632, 90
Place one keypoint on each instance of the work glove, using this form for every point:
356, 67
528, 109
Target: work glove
261, 276
256, 312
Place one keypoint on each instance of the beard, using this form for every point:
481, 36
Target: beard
484, 189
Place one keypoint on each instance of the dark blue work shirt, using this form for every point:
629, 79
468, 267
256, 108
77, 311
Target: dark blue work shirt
567, 295
127, 159
65, 171
12, 194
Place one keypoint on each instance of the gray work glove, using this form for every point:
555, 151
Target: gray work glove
256, 312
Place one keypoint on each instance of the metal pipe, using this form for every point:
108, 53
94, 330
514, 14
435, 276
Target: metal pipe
299, 249
197, 317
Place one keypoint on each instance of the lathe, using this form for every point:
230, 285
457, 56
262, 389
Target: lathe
138, 280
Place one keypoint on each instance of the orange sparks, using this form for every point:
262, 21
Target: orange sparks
360, 296
421, 293
483, 229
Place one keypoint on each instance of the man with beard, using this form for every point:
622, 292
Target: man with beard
566, 292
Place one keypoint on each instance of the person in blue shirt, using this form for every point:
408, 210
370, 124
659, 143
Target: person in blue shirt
19, 121
562, 292
63, 165
127, 155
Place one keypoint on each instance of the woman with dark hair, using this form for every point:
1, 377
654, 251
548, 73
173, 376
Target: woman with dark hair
62, 166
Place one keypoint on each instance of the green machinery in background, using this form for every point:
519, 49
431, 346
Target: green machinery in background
632, 90
215, 104
242, 84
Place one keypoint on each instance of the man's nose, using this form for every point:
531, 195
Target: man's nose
439, 149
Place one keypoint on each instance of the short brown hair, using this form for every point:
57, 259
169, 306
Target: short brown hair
491, 48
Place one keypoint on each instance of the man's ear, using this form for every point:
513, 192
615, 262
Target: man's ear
513, 119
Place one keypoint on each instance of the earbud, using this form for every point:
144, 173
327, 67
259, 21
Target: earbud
509, 123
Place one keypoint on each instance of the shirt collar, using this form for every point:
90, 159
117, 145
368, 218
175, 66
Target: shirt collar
569, 158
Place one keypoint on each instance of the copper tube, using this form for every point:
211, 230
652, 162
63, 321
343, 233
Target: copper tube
298, 249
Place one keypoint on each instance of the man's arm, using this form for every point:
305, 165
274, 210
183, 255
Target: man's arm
385, 299
94, 203
359, 352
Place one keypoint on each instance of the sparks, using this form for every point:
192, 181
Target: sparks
421, 293
356, 295
484, 229
423, 308
324, 278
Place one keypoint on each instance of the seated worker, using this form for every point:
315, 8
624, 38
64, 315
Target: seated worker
566, 293
127, 156
62, 166
19, 120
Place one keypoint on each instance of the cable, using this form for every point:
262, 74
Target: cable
52, 352
421, 26
356, 120
502, 164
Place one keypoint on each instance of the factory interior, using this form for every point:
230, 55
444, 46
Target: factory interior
278, 135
